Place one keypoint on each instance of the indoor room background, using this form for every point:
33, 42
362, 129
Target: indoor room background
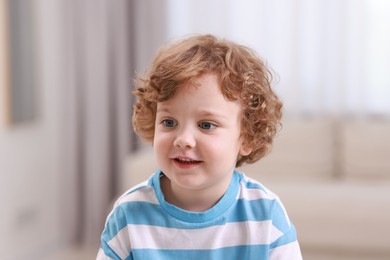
67, 149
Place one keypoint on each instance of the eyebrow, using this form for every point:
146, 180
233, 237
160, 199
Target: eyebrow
201, 112
163, 109
206, 113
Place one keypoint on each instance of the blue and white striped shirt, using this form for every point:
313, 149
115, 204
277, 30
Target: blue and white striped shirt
248, 222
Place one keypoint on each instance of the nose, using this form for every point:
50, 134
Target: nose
185, 138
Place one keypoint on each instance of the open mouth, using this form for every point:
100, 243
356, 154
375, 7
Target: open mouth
186, 161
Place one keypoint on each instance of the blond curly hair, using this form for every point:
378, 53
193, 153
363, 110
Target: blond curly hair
243, 76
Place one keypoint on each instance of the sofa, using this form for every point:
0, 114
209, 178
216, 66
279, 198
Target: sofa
333, 176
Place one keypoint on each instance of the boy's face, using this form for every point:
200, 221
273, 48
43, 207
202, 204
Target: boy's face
197, 137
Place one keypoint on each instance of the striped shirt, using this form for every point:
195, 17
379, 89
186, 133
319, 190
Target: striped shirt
248, 222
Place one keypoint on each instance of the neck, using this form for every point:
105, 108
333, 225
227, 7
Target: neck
194, 200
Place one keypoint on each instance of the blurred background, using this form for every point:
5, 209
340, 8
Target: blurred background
67, 149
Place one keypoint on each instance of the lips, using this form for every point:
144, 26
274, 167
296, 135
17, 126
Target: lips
186, 162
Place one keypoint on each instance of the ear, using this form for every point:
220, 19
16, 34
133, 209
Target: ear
245, 150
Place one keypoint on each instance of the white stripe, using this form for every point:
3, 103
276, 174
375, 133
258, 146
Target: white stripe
289, 251
121, 243
230, 234
254, 193
251, 194
102, 256
144, 194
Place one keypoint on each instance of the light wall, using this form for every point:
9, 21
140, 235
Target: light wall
59, 171
30, 155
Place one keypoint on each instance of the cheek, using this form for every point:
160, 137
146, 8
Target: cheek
223, 144
157, 141
160, 148
161, 141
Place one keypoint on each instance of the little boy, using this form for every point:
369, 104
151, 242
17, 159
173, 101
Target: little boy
207, 106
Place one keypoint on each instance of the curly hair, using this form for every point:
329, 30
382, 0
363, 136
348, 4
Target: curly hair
243, 76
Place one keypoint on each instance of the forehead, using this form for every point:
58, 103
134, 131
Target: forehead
210, 84
201, 94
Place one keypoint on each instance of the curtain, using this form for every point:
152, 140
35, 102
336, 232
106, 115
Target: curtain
107, 43
331, 57
97, 111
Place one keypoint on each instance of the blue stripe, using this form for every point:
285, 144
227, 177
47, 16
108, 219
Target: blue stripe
227, 253
252, 185
287, 238
114, 224
136, 213
130, 257
217, 210
144, 213
260, 210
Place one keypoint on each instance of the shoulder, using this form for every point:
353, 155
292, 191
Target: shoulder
143, 192
141, 198
114, 239
262, 203
141, 195
251, 189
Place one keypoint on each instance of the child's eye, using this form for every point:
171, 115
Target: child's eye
206, 125
169, 123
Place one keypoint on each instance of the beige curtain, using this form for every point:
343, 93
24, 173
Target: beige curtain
97, 109
331, 56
